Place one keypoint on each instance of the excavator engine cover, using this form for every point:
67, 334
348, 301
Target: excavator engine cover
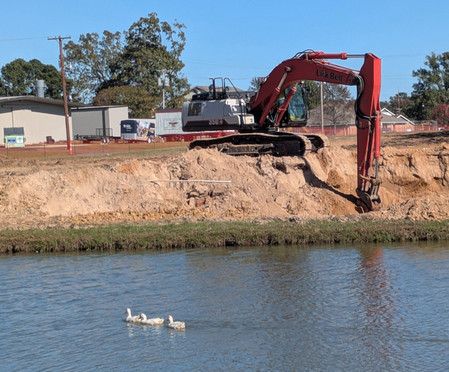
214, 115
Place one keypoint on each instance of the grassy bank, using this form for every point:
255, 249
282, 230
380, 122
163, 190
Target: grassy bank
220, 234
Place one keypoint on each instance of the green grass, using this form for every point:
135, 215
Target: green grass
220, 234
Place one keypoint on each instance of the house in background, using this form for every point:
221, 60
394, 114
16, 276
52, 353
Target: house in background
197, 89
389, 123
395, 123
39, 119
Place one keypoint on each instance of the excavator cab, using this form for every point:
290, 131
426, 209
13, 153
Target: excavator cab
288, 109
297, 113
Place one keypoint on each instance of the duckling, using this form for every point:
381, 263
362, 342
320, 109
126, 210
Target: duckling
131, 319
152, 321
175, 325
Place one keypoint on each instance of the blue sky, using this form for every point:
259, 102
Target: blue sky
244, 39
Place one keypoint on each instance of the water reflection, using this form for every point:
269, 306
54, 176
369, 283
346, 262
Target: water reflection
269, 308
377, 296
376, 293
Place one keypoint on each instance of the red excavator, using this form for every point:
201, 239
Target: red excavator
259, 118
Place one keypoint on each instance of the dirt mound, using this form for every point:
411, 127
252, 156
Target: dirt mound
205, 184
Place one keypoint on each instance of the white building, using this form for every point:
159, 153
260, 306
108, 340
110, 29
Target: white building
40, 118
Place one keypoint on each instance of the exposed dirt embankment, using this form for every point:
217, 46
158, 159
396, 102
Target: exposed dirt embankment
203, 184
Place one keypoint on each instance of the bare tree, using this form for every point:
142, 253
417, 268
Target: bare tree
337, 103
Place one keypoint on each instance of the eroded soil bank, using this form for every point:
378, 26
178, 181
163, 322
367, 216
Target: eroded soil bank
207, 185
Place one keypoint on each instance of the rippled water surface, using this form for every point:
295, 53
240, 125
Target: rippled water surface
284, 308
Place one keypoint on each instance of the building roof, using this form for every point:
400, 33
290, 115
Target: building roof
90, 107
199, 89
389, 117
34, 99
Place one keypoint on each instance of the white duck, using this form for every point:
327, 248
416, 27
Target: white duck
152, 321
175, 325
131, 319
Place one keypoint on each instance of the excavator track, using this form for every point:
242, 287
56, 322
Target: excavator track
255, 144
319, 141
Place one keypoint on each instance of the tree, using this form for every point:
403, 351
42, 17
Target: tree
140, 103
2, 87
398, 103
432, 87
15, 77
138, 58
254, 84
19, 78
337, 103
313, 93
153, 49
91, 62
51, 76
441, 114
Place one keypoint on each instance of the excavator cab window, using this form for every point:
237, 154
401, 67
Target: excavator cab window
297, 108
194, 108
296, 114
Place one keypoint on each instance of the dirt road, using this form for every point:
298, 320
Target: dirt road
81, 191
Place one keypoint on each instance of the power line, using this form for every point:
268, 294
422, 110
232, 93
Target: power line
24, 38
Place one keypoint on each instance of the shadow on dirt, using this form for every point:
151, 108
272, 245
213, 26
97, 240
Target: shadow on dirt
314, 181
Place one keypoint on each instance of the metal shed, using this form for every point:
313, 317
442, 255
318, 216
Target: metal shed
98, 121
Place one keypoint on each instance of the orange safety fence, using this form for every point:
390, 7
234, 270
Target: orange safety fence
59, 149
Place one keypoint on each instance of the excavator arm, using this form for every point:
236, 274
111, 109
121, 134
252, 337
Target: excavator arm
315, 66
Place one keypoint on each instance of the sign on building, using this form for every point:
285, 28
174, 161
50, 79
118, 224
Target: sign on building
14, 137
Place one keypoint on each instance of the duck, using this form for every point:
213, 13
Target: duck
131, 319
152, 321
175, 325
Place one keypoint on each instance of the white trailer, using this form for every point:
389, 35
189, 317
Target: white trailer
169, 127
169, 122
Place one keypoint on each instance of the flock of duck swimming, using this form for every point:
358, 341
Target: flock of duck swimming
142, 319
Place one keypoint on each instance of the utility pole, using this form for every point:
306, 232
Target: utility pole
163, 82
64, 91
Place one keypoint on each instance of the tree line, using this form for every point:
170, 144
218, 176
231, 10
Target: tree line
129, 68
18, 78
135, 67
132, 68
430, 96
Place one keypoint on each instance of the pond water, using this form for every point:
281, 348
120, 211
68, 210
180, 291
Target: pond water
372, 308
